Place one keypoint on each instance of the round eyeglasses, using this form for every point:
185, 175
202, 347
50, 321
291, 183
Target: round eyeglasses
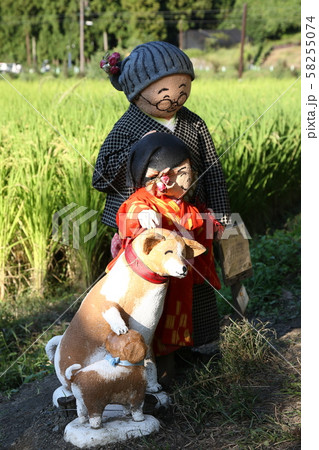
167, 104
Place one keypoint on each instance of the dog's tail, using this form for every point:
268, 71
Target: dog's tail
69, 375
51, 346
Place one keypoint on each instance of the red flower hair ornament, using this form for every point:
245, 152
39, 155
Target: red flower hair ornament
109, 63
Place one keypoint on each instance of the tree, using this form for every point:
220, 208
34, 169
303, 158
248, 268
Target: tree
186, 11
59, 33
106, 19
142, 21
19, 22
269, 22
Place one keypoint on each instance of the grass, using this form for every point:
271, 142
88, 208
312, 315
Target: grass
274, 288
10, 215
51, 163
26, 317
226, 395
247, 400
26, 325
236, 400
249, 397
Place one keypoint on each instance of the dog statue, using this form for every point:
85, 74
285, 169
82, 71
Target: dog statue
119, 378
131, 295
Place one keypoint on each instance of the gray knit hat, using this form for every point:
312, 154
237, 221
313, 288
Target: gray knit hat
148, 63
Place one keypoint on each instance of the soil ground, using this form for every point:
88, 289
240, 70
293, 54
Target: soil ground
28, 421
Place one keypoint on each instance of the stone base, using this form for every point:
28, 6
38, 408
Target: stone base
116, 427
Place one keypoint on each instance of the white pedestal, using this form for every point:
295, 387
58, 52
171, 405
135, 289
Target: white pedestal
116, 427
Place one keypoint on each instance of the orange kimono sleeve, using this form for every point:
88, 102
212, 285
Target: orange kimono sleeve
127, 220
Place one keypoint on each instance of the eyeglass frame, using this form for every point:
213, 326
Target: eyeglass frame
167, 100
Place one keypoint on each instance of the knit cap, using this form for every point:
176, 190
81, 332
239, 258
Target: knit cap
148, 63
155, 150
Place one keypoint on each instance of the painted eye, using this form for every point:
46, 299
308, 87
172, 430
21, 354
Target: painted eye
168, 251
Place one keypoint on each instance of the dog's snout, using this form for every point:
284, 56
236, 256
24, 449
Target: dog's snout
184, 269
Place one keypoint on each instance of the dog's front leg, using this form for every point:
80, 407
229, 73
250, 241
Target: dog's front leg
114, 319
151, 373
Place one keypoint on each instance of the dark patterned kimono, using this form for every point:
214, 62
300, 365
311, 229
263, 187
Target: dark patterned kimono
110, 177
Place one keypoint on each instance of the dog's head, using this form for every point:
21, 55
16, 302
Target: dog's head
165, 252
129, 346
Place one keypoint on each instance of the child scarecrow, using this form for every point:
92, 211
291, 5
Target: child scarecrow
156, 79
159, 167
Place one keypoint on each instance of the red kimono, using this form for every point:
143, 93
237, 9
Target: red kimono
175, 327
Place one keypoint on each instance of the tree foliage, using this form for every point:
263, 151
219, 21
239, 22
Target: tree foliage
267, 21
46, 30
185, 11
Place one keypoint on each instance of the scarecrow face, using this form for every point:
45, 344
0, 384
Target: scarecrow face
165, 97
181, 179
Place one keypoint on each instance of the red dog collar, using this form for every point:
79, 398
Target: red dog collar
140, 268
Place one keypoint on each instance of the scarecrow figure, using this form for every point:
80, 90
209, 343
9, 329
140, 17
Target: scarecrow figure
159, 167
156, 79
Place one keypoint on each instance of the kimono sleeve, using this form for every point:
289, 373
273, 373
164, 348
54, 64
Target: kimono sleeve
215, 189
127, 218
110, 169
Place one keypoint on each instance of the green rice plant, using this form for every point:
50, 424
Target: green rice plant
63, 122
37, 175
256, 130
88, 250
10, 212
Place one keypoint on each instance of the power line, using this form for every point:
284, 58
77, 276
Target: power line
233, 14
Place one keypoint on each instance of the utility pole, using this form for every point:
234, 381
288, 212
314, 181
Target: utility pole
34, 52
181, 35
82, 37
27, 44
105, 41
242, 43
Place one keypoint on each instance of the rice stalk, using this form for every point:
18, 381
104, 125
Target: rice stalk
89, 252
38, 175
261, 162
10, 212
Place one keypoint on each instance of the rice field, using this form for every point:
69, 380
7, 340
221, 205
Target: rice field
50, 134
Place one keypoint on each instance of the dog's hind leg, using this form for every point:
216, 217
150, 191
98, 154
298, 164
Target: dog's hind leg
137, 414
81, 409
151, 373
96, 421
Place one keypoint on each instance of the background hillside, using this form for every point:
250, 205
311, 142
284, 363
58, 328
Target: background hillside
38, 33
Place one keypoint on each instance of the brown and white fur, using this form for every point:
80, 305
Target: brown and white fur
101, 383
123, 299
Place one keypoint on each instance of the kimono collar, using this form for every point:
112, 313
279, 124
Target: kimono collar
140, 268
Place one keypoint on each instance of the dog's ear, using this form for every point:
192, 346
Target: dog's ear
113, 343
151, 241
193, 248
135, 350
